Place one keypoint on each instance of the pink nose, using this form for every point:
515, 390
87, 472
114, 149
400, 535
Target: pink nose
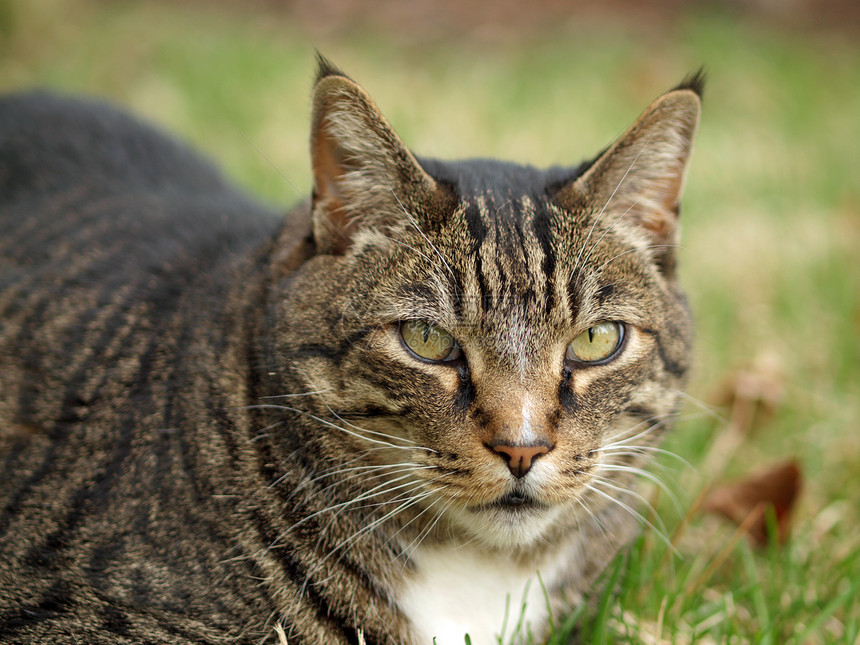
520, 458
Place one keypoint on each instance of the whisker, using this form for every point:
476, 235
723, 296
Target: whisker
341, 505
609, 484
369, 478
352, 538
591, 514
272, 165
704, 407
357, 458
625, 441
337, 427
634, 513
352, 425
608, 229
289, 396
411, 501
411, 248
614, 440
421, 233
418, 484
636, 250
321, 391
432, 526
638, 450
645, 475
424, 532
606, 205
336, 470
264, 432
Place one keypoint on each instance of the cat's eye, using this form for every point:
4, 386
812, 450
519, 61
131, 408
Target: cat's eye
428, 341
597, 343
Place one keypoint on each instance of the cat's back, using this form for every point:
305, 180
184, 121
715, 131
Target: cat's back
106, 223
82, 172
111, 233
126, 264
50, 141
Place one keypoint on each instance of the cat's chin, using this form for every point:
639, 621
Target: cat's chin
510, 522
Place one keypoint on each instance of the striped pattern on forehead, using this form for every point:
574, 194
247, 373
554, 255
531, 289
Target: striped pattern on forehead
514, 289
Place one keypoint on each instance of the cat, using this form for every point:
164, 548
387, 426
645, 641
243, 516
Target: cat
415, 408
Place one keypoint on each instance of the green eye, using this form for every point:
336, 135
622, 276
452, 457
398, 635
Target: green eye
428, 341
597, 343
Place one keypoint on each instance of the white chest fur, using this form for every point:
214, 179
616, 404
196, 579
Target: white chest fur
464, 590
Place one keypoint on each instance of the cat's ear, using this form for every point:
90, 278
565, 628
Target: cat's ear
639, 179
364, 176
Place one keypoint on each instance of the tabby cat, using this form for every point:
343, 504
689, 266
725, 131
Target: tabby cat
415, 408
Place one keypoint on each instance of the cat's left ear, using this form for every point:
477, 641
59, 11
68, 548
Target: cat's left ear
639, 179
364, 176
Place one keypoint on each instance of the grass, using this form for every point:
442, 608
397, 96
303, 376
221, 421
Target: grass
772, 232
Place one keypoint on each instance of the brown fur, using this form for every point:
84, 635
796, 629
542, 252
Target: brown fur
209, 423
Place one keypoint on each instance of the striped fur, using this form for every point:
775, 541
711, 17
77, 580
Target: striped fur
209, 425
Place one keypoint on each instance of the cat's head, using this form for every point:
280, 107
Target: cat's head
505, 340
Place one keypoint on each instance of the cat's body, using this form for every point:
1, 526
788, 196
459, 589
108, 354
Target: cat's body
366, 418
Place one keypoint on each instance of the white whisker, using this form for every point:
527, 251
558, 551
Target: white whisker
636, 514
636, 250
349, 432
620, 489
606, 205
704, 407
407, 503
422, 234
289, 396
340, 506
634, 450
352, 425
271, 164
429, 528
638, 472
358, 472
593, 516
616, 441
606, 232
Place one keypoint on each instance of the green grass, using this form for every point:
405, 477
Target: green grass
770, 259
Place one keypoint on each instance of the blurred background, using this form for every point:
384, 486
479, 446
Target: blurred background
771, 251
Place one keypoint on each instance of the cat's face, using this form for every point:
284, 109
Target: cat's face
503, 340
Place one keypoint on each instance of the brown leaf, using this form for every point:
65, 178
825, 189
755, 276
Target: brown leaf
744, 502
753, 393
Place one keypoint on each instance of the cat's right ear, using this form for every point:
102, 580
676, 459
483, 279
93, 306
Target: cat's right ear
364, 176
639, 179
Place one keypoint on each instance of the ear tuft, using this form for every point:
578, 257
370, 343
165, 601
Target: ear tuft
326, 68
694, 82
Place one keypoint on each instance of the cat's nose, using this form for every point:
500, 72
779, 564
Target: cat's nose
520, 458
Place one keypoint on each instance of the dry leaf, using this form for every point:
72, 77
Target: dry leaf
753, 393
745, 502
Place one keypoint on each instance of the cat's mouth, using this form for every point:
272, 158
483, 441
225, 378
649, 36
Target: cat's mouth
513, 501
514, 519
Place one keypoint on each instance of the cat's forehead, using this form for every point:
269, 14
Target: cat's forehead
506, 243
499, 186
507, 208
